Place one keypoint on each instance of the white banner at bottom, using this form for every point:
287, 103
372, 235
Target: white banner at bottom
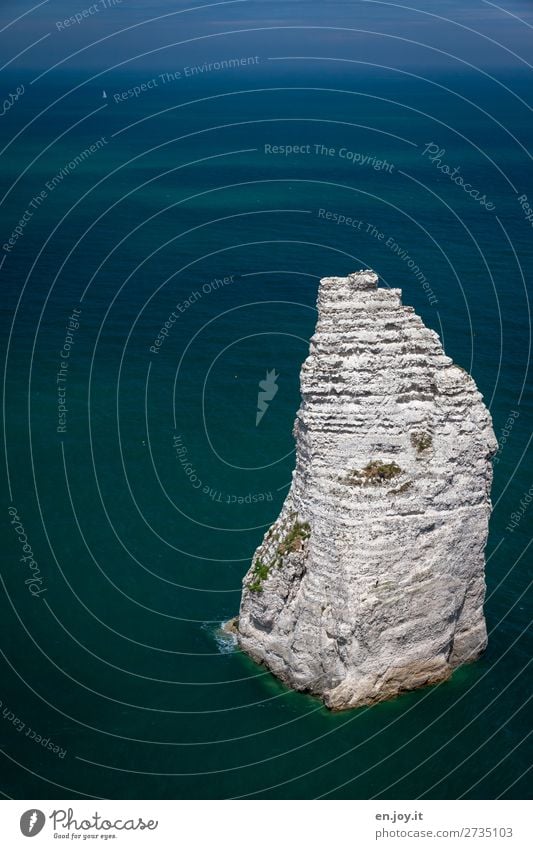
266, 824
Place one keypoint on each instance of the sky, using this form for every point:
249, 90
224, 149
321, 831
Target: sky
136, 34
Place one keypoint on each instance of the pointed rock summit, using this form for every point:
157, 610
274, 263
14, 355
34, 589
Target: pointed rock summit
371, 581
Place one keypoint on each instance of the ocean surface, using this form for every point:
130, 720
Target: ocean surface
152, 288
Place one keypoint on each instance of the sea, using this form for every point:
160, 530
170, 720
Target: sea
161, 254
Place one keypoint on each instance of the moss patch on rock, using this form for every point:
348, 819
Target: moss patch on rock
260, 573
374, 473
292, 541
421, 441
295, 538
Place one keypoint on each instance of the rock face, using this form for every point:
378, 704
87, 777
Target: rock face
371, 581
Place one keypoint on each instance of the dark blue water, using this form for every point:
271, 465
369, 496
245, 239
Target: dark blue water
142, 539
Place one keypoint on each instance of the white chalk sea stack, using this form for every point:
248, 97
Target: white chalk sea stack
371, 581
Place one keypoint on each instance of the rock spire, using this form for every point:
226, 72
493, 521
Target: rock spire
371, 581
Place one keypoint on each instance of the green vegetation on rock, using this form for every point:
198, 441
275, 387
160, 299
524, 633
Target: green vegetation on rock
293, 541
260, 573
421, 441
374, 473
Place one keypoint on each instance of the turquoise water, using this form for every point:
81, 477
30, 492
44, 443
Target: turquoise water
119, 660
